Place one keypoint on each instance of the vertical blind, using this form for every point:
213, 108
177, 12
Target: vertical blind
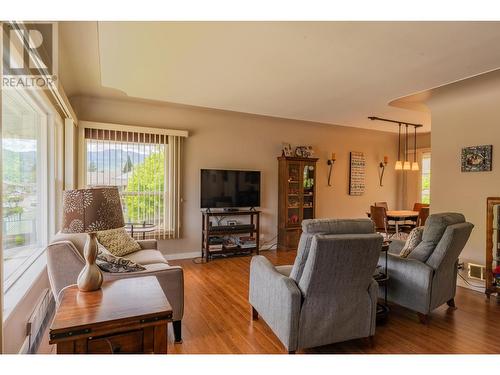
145, 166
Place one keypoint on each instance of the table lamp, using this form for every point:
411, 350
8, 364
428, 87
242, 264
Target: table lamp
88, 211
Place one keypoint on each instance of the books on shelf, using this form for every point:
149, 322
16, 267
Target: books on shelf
246, 242
231, 243
215, 243
215, 247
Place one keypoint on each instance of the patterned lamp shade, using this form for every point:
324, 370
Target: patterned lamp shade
91, 210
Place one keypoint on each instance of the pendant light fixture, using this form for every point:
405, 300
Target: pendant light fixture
406, 165
399, 164
414, 165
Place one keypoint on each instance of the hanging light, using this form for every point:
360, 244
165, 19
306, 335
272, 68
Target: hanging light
399, 165
414, 165
406, 165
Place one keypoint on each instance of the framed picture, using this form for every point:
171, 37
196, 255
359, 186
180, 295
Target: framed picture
477, 158
286, 149
357, 165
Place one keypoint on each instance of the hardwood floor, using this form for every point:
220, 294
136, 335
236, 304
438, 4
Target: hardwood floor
217, 319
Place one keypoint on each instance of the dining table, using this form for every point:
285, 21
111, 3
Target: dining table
400, 216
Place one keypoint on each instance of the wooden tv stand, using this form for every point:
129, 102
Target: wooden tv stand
207, 232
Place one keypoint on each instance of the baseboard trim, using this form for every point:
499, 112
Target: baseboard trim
190, 255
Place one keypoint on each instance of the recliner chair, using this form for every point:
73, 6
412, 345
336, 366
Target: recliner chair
329, 294
428, 277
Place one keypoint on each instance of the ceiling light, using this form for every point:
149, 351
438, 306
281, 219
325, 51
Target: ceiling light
414, 165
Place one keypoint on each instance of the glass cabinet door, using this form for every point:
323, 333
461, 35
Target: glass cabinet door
308, 181
293, 194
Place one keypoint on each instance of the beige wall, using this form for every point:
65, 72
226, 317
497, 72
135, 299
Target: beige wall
465, 114
220, 139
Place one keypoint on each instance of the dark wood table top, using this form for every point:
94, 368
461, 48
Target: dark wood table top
117, 301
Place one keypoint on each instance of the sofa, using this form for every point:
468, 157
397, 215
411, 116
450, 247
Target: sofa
65, 261
328, 295
427, 278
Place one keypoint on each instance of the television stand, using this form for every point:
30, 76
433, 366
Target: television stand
208, 232
230, 210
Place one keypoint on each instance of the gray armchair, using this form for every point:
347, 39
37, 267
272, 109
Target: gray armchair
427, 278
328, 295
65, 261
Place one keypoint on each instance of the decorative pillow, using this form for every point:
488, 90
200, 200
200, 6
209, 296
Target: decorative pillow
118, 242
423, 251
110, 263
414, 238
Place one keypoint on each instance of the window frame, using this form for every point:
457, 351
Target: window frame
48, 176
163, 233
420, 155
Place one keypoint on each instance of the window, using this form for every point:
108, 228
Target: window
25, 193
144, 165
426, 178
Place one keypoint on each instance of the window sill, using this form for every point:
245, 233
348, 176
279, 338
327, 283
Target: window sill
23, 284
19, 270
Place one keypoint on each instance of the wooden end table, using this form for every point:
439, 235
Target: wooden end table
125, 316
382, 277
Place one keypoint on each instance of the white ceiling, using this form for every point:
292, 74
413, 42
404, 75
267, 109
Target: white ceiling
329, 72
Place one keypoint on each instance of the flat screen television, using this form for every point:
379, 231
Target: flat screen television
222, 188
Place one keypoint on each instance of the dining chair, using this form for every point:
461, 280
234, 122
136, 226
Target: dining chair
378, 215
423, 214
386, 206
417, 206
382, 204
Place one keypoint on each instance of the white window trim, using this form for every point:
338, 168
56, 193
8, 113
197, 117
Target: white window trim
420, 154
51, 134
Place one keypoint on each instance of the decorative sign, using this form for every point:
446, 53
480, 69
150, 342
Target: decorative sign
477, 158
357, 173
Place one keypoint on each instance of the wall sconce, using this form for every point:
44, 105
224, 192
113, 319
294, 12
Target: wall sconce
381, 169
330, 163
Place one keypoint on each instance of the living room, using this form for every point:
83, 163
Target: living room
140, 174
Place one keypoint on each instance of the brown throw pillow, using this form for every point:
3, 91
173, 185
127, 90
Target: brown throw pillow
110, 263
118, 242
414, 238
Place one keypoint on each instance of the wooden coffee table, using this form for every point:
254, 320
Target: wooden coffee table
125, 316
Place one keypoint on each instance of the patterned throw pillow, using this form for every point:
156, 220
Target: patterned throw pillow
118, 242
414, 238
110, 263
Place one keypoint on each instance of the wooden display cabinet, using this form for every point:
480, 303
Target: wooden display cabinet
492, 244
296, 198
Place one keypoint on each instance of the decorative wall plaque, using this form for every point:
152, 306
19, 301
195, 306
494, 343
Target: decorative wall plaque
357, 173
